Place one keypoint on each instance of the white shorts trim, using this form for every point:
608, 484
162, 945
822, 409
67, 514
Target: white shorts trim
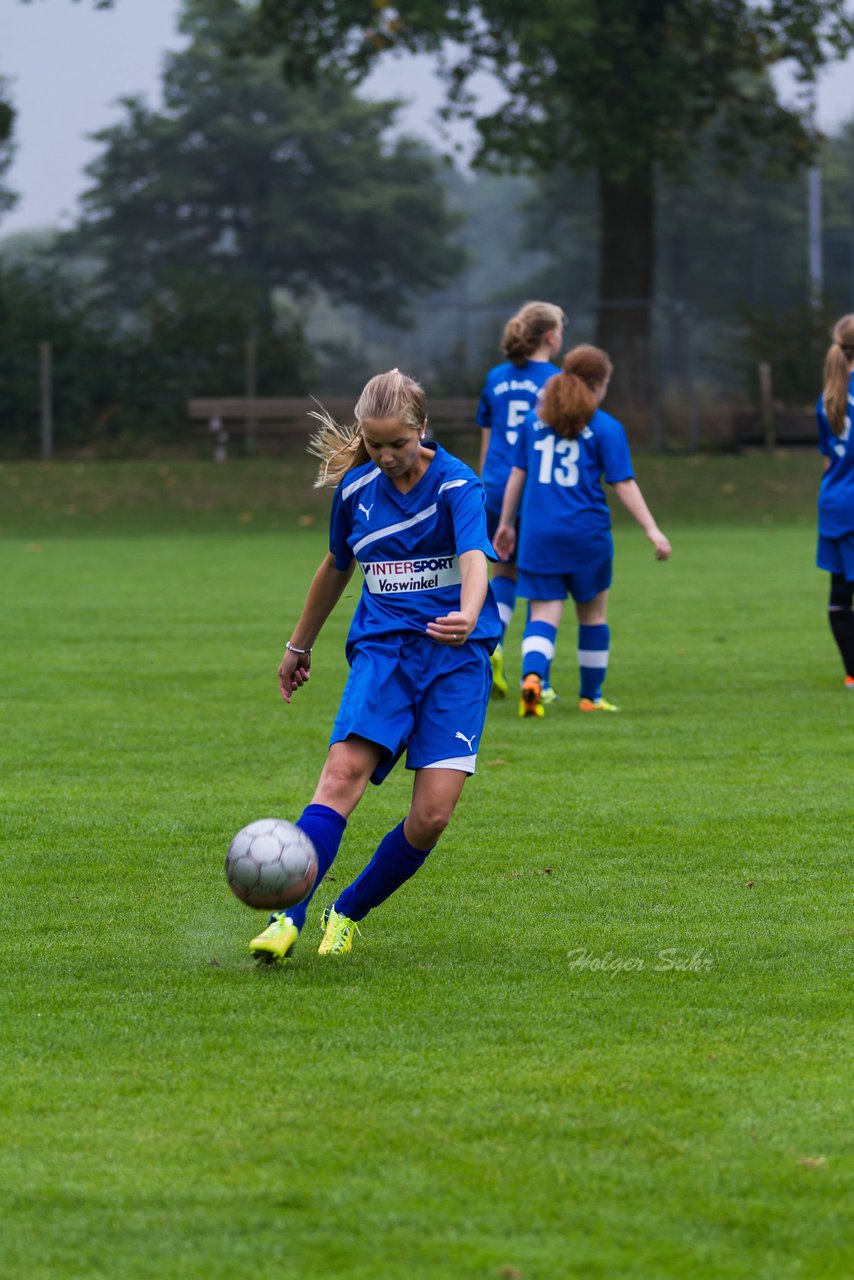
466, 764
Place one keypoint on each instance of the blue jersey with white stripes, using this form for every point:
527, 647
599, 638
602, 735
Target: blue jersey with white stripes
509, 394
408, 546
836, 492
565, 521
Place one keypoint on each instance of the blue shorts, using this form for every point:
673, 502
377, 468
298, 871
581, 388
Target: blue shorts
836, 555
408, 693
582, 585
492, 519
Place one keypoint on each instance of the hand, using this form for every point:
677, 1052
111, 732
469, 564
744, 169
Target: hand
294, 671
453, 629
660, 544
505, 541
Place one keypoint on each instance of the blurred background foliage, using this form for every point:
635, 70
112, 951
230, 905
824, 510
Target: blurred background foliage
295, 217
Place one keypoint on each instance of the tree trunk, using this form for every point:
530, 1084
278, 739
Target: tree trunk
626, 265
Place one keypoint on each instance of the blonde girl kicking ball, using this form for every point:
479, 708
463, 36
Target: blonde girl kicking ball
411, 516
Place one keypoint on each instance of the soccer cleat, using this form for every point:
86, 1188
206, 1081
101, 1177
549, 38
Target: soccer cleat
548, 695
531, 698
338, 933
500, 687
849, 682
587, 704
275, 944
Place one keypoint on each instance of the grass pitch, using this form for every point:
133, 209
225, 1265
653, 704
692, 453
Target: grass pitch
604, 1033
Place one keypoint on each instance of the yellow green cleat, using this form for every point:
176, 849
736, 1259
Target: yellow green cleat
500, 687
587, 704
338, 934
275, 944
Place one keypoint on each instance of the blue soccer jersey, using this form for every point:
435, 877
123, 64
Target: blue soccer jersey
565, 521
509, 394
408, 547
836, 493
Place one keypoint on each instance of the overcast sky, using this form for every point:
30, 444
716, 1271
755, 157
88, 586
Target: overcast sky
68, 63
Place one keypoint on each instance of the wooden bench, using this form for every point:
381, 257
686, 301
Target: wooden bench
287, 417
788, 427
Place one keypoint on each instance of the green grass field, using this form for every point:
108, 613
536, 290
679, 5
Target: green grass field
606, 1031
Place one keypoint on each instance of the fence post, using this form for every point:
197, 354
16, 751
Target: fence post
766, 406
46, 397
691, 369
251, 385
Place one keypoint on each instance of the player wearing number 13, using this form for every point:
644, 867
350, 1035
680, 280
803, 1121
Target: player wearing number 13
564, 448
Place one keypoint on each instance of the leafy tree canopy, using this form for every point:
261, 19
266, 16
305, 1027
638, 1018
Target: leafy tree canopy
264, 184
600, 83
621, 88
7, 124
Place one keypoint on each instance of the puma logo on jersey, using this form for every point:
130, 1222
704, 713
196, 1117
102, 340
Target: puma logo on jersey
467, 741
367, 510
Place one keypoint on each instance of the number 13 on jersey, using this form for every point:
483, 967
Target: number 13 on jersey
558, 460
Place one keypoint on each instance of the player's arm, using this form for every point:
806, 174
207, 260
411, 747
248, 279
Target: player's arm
485, 437
326, 589
455, 628
633, 500
505, 535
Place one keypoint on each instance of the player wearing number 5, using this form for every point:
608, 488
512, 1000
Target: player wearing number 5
565, 547
531, 340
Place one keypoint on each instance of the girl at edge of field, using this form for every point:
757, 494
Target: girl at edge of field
835, 412
418, 648
531, 340
570, 410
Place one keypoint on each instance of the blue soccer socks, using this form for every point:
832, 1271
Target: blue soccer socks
504, 590
538, 649
395, 862
325, 827
593, 646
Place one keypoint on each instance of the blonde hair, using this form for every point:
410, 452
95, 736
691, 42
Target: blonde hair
837, 370
388, 395
524, 332
569, 398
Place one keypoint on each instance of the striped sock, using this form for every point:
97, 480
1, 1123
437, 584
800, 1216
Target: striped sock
538, 649
593, 644
504, 590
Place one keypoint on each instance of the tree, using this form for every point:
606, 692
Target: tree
619, 87
270, 187
7, 124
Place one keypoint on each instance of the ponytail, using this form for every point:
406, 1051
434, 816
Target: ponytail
524, 332
837, 368
569, 399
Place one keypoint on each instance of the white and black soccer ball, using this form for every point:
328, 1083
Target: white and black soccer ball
271, 864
